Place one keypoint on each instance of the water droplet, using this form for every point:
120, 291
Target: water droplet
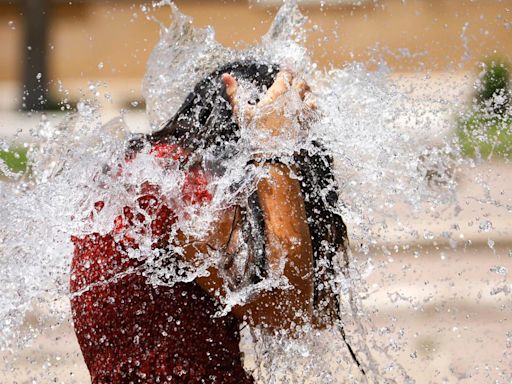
428, 235
500, 270
100, 65
304, 352
11, 24
509, 339
39, 76
485, 226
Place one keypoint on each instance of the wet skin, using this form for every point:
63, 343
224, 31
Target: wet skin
288, 240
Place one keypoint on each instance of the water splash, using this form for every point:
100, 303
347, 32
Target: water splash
361, 119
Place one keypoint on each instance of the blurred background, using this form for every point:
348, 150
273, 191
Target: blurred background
62, 45
452, 303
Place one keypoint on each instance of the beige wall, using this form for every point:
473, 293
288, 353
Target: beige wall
83, 35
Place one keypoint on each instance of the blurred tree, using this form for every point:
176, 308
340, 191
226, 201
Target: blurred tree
485, 130
35, 82
493, 90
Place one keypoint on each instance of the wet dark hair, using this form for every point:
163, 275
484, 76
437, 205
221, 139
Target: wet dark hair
205, 120
206, 117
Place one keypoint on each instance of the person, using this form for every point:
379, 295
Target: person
132, 331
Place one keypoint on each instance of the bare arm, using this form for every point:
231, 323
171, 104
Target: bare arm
288, 238
288, 241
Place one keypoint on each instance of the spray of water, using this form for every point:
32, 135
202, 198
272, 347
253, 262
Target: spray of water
362, 118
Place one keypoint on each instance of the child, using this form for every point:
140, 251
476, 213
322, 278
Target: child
133, 332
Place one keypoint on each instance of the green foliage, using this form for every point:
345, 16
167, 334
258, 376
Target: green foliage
493, 91
486, 136
15, 159
486, 129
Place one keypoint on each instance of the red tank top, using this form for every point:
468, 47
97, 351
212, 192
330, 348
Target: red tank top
130, 331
